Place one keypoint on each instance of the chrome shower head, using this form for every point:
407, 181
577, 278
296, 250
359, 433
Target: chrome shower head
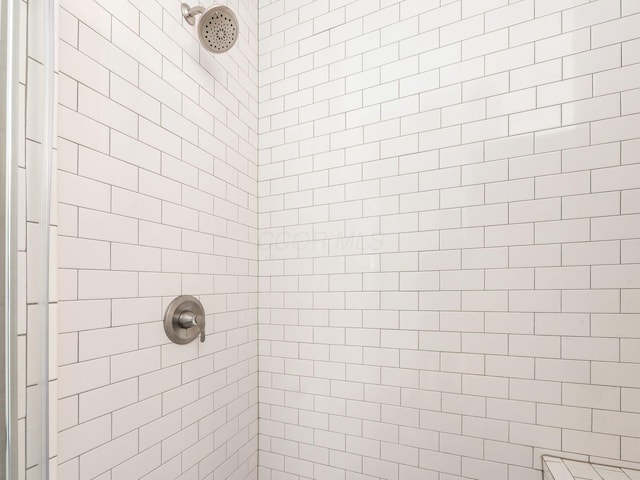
217, 28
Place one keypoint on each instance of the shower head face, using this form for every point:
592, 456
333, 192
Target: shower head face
218, 29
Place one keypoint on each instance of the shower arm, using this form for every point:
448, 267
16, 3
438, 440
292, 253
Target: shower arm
189, 13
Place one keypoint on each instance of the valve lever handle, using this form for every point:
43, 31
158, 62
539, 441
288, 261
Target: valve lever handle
200, 322
189, 319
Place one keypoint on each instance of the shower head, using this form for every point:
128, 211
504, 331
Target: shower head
217, 28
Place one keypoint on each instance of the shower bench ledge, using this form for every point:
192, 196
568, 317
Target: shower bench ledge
555, 468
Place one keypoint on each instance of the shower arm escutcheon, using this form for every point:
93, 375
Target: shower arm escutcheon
184, 320
189, 13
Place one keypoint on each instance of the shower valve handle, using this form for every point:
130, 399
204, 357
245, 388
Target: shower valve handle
200, 322
190, 319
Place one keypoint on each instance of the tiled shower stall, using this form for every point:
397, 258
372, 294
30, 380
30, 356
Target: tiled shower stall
414, 226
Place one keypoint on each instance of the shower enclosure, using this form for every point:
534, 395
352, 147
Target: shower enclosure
403, 236
27, 103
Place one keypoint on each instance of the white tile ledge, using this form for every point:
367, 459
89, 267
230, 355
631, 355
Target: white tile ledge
561, 469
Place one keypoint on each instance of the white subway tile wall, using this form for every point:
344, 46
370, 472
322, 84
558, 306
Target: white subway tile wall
449, 237
157, 198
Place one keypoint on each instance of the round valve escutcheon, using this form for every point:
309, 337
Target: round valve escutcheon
184, 320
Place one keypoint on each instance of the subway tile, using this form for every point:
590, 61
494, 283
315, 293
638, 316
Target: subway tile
84, 437
587, 442
591, 109
562, 45
534, 120
615, 129
615, 80
105, 226
509, 15
80, 129
614, 31
438, 17
538, 74
486, 86
564, 184
134, 152
109, 455
110, 398
513, 102
92, 164
83, 376
102, 343
472, 26
135, 99
573, 136
591, 253
83, 253
588, 15
107, 112
535, 435
83, 68
615, 227
592, 157
485, 44
540, 28
92, 14
96, 284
